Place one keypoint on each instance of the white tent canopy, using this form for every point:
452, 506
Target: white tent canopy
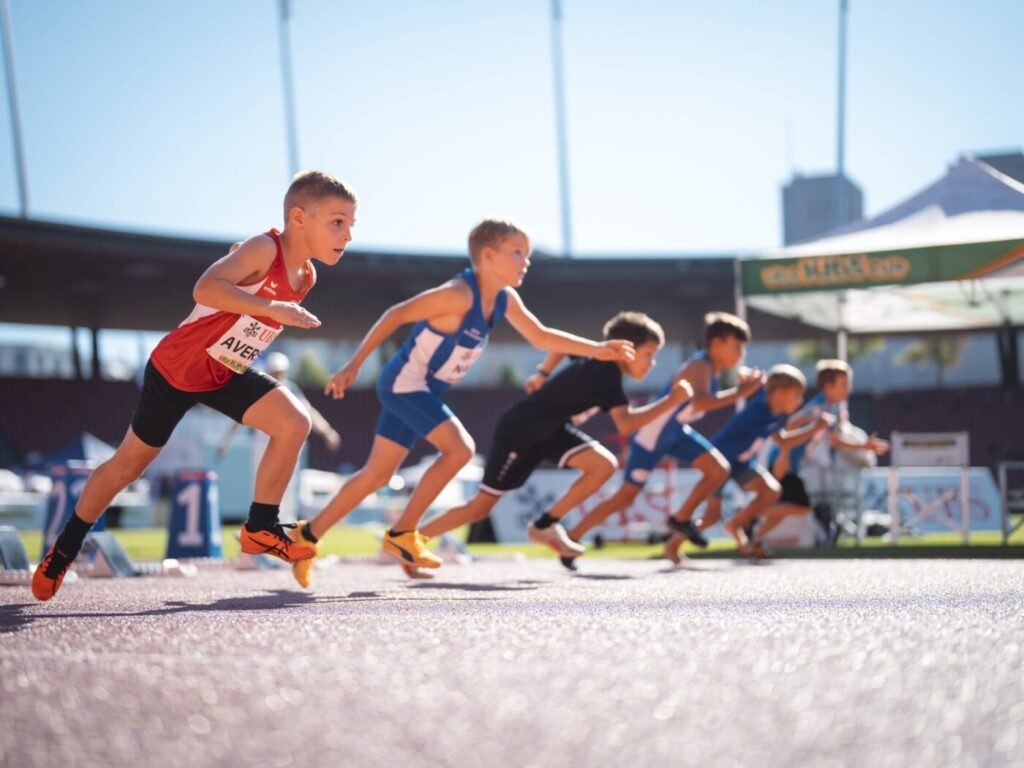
949, 258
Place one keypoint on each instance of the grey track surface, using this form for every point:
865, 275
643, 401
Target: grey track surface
802, 663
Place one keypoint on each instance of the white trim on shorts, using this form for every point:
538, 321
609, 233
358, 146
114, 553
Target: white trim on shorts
573, 451
494, 491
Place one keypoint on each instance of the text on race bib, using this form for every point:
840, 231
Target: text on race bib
242, 344
458, 363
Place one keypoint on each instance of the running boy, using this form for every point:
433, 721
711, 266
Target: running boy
725, 340
540, 428
242, 302
452, 323
739, 440
835, 380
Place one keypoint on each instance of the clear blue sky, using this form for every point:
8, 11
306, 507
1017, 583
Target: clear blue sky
167, 116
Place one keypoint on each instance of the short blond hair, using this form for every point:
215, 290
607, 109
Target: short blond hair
784, 376
490, 232
309, 187
829, 370
635, 327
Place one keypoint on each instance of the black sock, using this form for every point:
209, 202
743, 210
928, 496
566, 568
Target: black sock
70, 540
544, 521
393, 532
262, 517
307, 534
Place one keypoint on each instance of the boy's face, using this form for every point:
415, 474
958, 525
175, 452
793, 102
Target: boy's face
785, 399
837, 390
726, 352
644, 361
326, 227
508, 260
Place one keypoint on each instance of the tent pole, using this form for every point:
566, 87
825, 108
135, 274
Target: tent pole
841, 335
739, 301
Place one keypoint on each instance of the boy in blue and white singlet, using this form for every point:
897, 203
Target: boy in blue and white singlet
765, 415
725, 340
835, 379
451, 324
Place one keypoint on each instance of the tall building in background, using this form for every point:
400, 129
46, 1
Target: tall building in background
809, 206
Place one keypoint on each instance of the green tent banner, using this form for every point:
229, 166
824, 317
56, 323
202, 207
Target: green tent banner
838, 272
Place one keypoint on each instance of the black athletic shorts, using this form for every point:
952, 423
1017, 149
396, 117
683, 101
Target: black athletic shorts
510, 464
793, 491
161, 406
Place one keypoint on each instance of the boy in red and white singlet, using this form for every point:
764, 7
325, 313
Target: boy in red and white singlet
243, 301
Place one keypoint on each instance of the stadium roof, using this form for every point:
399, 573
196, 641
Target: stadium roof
61, 274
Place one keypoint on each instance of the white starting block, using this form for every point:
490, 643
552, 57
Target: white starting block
15, 568
109, 560
451, 550
924, 450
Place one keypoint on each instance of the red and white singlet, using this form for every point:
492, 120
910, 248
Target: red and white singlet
210, 346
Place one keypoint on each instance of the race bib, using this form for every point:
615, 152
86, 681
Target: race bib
458, 363
242, 343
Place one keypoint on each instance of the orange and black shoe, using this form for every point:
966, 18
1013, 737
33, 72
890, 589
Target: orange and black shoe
275, 541
410, 548
50, 573
302, 570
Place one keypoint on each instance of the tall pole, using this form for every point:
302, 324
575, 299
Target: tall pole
287, 87
12, 97
841, 212
841, 205
558, 65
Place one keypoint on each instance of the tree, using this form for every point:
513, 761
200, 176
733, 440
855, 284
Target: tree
310, 374
941, 350
813, 350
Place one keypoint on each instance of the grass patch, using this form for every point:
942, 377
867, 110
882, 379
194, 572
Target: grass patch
151, 544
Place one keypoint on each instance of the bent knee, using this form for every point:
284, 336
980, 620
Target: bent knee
294, 427
462, 452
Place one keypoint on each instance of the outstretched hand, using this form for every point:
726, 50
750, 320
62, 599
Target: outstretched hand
290, 313
749, 380
615, 349
533, 383
681, 392
341, 381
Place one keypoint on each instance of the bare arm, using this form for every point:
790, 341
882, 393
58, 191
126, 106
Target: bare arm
699, 373
218, 285
874, 444
629, 419
536, 381
542, 337
788, 438
323, 428
453, 298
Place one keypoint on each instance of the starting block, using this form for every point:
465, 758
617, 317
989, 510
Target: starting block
13, 556
14, 565
109, 559
451, 550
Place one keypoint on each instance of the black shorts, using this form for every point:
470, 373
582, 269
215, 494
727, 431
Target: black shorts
161, 406
794, 492
510, 463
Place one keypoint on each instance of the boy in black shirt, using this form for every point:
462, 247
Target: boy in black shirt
540, 428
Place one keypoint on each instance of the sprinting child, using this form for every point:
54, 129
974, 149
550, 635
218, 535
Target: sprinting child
539, 428
242, 302
452, 323
764, 415
725, 340
835, 380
